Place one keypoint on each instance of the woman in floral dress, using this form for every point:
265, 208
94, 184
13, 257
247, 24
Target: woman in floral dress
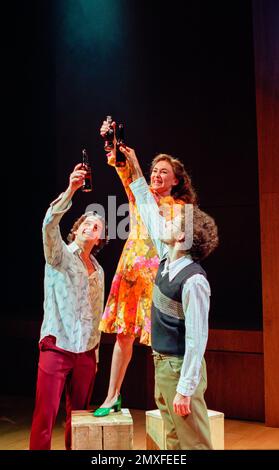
128, 308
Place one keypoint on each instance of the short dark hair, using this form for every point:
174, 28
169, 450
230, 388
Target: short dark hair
205, 235
103, 240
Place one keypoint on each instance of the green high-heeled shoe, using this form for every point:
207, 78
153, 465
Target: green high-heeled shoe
100, 412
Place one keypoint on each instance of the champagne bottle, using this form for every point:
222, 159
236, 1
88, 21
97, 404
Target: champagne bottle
87, 184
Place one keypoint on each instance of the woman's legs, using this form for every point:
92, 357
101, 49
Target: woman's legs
122, 353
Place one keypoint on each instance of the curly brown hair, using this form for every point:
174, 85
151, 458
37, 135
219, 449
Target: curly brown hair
103, 240
205, 235
184, 189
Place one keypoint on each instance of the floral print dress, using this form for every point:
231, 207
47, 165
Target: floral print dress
128, 307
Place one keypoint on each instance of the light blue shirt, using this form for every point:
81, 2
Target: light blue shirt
195, 294
74, 301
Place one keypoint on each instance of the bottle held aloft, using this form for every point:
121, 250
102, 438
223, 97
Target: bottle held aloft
109, 136
120, 159
87, 184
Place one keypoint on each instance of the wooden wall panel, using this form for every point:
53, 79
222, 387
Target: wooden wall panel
235, 340
234, 366
235, 384
266, 40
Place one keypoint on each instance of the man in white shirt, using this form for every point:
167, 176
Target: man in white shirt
73, 305
179, 319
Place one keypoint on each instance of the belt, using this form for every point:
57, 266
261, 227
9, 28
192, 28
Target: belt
161, 356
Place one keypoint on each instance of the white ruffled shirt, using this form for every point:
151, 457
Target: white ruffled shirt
74, 301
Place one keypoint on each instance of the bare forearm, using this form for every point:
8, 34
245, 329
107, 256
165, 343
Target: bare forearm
130, 154
136, 172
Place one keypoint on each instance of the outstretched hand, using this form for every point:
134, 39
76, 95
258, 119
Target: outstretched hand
105, 127
111, 155
77, 177
131, 157
127, 151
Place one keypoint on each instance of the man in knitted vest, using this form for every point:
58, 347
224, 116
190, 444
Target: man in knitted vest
179, 317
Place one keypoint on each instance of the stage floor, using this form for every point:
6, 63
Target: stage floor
16, 414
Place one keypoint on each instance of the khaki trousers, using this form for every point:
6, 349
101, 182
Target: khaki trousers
182, 432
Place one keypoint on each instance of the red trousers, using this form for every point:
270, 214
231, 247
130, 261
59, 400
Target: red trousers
59, 368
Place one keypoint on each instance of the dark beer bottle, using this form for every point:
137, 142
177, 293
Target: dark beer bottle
120, 159
87, 184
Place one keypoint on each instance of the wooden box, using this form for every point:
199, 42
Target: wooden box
112, 432
156, 437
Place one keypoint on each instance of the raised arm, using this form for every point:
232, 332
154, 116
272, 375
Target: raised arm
52, 240
124, 172
146, 203
149, 213
133, 162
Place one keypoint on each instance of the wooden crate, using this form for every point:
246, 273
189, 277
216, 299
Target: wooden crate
156, 436
112, 432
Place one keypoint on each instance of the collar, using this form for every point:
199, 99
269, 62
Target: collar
174, 267
74, 248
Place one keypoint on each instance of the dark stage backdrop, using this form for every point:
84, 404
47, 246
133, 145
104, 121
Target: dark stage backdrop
181, 78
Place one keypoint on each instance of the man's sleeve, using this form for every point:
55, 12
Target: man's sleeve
149, 213
52, 240
195, 299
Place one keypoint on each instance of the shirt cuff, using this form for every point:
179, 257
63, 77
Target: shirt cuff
61, 211
186, 388
52, 214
